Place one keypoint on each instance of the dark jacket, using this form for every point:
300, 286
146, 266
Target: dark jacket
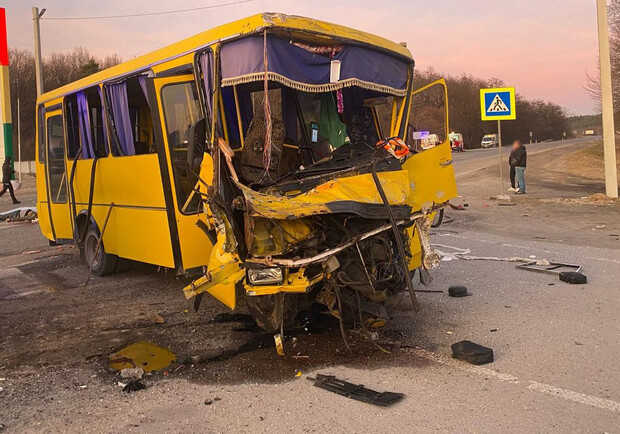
518, 158
7, 172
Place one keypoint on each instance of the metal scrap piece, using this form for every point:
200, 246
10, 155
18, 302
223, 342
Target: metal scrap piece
550, 267
356, 391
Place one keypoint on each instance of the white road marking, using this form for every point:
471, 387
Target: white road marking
568, 395
443, 360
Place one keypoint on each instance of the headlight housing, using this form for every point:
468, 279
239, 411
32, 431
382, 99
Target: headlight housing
265, 276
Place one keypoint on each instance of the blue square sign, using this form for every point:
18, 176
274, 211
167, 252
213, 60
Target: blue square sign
498, 104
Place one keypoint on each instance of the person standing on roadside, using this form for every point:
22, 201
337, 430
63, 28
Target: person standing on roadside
7, 173
513, 173
518, 163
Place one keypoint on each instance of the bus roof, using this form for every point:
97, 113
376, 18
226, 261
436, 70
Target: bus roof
245, 26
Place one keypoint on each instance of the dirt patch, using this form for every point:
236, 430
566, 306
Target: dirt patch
597, 199
588, 163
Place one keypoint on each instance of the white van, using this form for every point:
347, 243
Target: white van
490, 140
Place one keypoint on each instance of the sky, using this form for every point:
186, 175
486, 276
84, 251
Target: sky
544, 48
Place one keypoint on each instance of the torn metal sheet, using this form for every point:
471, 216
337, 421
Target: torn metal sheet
550, 267
348, 193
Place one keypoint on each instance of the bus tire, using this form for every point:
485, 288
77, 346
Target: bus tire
104, 263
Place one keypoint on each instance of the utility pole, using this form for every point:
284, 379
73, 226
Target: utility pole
609, 134
38, 63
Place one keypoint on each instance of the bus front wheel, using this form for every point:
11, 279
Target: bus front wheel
102, 263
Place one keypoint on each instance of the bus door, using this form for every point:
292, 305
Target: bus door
430, 170
60, 215
184, 128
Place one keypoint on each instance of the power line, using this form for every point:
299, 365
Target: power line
146, 14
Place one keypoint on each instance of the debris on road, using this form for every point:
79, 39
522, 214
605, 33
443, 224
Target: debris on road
133, 373
356, 391
449, 253
156, 318
544, 266
146, 355
134, 386
573, 278
458, 291
472, 353
202, 357
279, 346
23, 213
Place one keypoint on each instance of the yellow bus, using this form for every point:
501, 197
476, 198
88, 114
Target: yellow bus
274, 153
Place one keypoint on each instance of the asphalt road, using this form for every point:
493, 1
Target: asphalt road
475, 159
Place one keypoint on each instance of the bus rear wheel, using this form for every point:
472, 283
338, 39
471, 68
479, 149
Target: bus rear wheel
101, 263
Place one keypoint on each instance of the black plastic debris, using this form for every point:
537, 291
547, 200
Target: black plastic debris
356, 391
134, 386
458, 291
472, 353
573, 278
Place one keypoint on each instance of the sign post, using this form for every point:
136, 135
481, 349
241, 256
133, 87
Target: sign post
499, 105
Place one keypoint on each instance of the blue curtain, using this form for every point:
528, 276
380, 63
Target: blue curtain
84, 125
142, 81
120, 115
242, 61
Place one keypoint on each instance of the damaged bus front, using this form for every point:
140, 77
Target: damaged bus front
312, 184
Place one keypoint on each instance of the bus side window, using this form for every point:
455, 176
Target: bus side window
427, 121
41, 126
56, 159
132, 126
83, 117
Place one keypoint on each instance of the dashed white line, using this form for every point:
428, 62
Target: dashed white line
568, 395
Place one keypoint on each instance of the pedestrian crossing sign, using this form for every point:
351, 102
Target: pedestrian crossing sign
498, 104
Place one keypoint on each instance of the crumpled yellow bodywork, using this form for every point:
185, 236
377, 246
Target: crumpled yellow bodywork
356, 188
223, 273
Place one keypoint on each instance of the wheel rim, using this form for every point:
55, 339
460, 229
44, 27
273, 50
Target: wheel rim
90, 247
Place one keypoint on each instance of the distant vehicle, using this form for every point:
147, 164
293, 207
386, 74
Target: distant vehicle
456, 142
430, 141
589, 132
489, 141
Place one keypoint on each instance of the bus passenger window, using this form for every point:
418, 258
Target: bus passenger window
56, 159
131, 118
84, 120
185, 129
